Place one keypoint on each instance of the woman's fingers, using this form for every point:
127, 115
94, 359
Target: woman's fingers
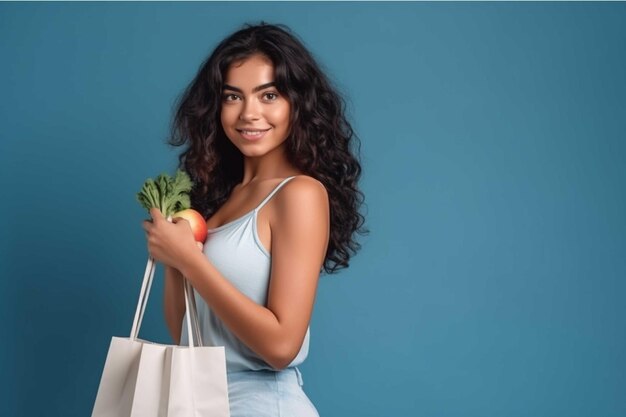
147, 225
181, 220
156, 214
200, 245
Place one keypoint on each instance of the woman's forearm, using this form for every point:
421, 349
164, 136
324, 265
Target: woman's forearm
173, 302
255, 325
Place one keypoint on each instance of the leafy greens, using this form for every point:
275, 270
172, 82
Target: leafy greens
169, 195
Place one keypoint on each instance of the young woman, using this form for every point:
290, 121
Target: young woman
269, 150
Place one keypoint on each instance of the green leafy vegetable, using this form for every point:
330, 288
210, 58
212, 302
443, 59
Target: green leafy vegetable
169, 195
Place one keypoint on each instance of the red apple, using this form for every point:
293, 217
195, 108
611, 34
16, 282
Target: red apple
196, 221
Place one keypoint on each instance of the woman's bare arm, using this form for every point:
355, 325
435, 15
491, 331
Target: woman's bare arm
300, 233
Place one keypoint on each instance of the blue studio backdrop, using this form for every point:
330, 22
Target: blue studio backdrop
493, 152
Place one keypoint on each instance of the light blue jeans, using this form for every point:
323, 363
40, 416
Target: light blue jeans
268, 394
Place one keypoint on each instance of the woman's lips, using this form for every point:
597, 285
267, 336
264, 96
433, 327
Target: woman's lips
252, 134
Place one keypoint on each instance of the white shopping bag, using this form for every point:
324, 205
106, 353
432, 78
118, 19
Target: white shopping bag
145, 379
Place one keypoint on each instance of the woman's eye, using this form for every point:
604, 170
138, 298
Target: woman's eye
229, 97
271, 96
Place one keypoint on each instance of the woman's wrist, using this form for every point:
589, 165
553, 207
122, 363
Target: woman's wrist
191, 263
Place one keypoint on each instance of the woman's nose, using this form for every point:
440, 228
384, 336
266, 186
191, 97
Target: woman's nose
250, 110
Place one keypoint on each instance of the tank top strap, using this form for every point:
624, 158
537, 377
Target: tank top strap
283, 182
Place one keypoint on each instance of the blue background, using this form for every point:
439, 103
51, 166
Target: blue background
493, 147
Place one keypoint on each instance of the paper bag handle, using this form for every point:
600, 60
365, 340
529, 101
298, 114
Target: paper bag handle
193, 328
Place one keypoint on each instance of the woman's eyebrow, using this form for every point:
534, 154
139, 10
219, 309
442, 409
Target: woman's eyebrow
254, 90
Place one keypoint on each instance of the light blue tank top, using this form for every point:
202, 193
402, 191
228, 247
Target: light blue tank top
236, 251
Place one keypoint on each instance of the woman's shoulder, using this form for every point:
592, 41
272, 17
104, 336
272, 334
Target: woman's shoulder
301, 208
301, 186
302, 192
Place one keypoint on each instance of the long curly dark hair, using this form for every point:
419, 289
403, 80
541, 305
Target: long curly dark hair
319, 143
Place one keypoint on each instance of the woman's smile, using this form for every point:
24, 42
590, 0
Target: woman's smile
252, 134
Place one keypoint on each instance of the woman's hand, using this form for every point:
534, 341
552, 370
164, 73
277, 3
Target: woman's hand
171, 243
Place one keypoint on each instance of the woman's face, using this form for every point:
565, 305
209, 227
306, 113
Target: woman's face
255, 117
